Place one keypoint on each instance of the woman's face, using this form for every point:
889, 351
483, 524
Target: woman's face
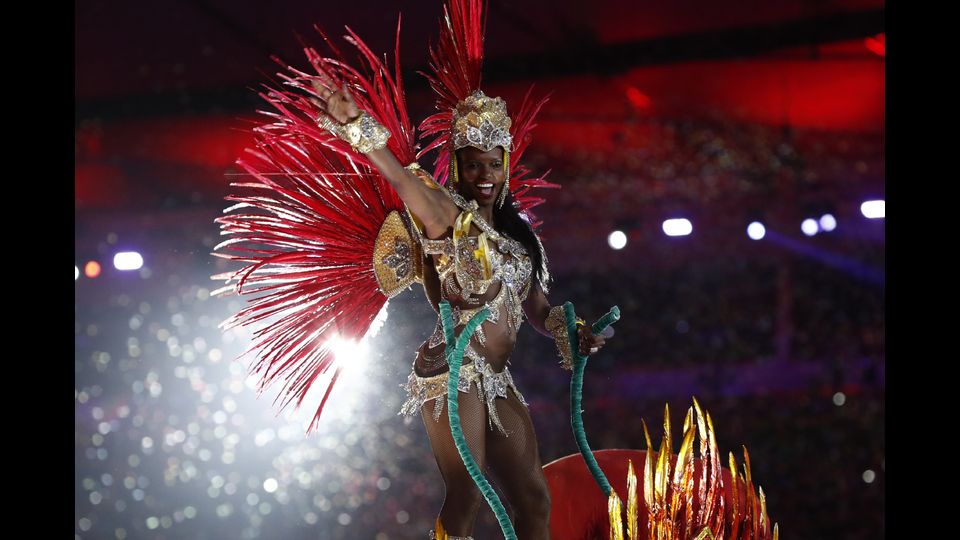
481, 174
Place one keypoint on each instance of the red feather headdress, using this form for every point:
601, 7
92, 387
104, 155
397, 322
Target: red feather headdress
455, 64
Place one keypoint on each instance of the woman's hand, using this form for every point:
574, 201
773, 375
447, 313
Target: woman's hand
339, 104
589, 343
432, 206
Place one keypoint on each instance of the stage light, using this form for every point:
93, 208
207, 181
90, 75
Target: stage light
809, 227
351, 355
76, 273
873, 209
677, 227
869, 476
756, 230
91, 269
617, 239
638, 99
270, 485
127, 260
877, 44
828, 222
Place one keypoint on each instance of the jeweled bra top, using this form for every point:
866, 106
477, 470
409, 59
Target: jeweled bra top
468, 265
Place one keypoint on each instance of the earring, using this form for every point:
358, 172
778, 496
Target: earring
506, 184
453, 177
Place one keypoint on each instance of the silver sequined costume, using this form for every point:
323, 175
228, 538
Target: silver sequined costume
462, 275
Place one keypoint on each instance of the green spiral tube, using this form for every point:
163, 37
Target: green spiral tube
454, 352
576, 389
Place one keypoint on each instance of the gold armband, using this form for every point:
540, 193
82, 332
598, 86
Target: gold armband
556, 324
363, 133
423, 175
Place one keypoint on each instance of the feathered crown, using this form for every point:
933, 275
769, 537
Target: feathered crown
481, 122
466, 116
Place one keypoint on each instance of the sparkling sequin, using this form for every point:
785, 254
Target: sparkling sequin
436, 338
466, 269
481, 335
400, 259
364, 133
490, 385
443, 246
481, 122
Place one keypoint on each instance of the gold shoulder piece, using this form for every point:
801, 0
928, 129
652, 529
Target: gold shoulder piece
397, 260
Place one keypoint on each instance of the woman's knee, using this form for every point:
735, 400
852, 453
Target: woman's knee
534, 497
538, 499
463, 492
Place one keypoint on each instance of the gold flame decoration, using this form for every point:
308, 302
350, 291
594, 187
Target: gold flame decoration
681, 505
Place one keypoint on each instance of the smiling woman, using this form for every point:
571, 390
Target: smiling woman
482, 175
482, 257
466, 236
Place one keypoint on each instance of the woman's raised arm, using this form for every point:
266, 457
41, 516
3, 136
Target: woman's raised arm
422, 196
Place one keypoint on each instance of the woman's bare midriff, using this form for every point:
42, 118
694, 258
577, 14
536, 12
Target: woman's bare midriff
499, 342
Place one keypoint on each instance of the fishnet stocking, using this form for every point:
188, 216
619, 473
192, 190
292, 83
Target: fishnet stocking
463, 499
514, 461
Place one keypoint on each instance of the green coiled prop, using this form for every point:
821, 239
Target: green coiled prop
576, 389
454, 352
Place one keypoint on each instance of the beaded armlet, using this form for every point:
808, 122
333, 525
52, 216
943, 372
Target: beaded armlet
556, 324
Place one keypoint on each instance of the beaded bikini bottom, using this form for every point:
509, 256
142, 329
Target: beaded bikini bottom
490, 385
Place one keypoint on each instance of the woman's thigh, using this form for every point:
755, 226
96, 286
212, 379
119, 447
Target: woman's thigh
515, 458
473, 422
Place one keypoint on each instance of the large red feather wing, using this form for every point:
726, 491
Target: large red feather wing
306, 225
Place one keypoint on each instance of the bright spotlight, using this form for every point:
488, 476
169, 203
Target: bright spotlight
756, 230
127, 260
617, 239
677, 227
873, 209
76, 273
828, 222
809, 227
350, 354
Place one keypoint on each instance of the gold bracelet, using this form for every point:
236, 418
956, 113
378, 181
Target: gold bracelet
556, 324
363, 133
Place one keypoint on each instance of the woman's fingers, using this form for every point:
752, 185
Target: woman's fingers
590, 343
326, 90
348, 100
319, 88
584, 340
322, 81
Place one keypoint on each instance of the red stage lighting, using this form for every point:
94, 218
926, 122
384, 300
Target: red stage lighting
638, 99
877, 44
